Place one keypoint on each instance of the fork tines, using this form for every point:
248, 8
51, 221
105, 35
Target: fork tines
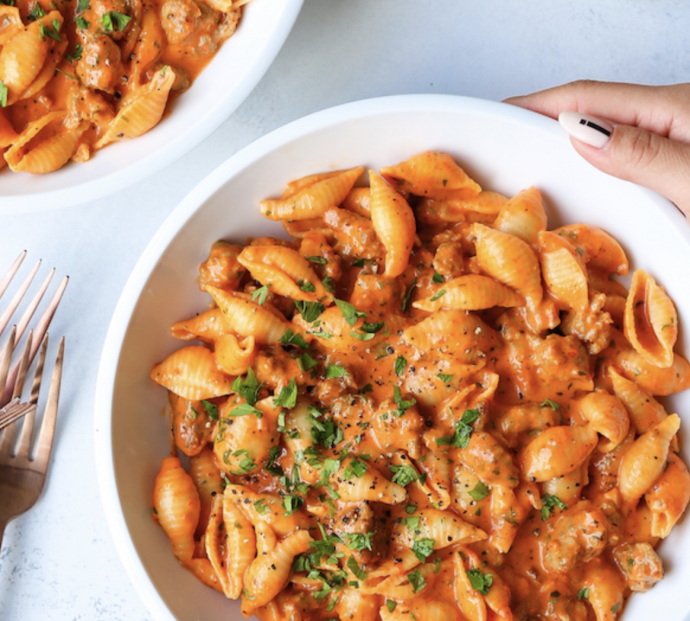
12, 381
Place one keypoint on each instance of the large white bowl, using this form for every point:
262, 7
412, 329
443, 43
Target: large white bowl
504, 148
225, 83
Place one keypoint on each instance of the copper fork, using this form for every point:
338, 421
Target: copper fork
21, 476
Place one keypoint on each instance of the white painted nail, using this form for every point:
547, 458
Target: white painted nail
588, 129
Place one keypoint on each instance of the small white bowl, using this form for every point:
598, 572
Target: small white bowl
218, 91
504, 148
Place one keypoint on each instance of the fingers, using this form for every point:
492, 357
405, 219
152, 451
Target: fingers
640, 156
654, 108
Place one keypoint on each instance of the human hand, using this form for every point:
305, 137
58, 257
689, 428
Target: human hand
648, 126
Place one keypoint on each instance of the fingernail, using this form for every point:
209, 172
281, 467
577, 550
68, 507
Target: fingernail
588, 129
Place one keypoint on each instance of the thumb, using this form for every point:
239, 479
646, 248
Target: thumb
633, 154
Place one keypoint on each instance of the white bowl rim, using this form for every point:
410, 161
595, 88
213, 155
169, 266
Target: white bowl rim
177, 147
176, 221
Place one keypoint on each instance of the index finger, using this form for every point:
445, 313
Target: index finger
654, 108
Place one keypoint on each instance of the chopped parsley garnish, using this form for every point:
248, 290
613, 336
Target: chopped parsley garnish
463, 431
355, 468
36, 13
361, 337
423, 548
310, 311
371, 328
366, 388
583, 593
261, 293
408, 296
358, 542
3, 94
306, 363
270, 467
244, 410
444, 377
400, 364
479, 581
350, 313
552, 404
410, 509
288, 396
412, 522
112, 20
291, 503
305, 285
403, 405
390, 604
328, 284
548, 503
437, 278
404, 475
333, 370
479, 492
211, 409
615, 607
82, 5
417, 581
438, 295
325, 432
292, 338
54, 32
82, 24
261, 507
77, 53
247, 388
437, 565
318, 260
355, 568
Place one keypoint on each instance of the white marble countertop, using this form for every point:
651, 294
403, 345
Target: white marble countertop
58, 561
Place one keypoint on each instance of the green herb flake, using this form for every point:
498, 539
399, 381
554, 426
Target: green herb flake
211, 409
81, 23
112, 20
552, 404
463, 431
549, 502
333, 370
400, 365
318, 260
306, 363
437, 278
349, 312
247, 388
408, 296
583, 593
3, 94
402, 404
310, 311
390, 604
404, 475
355, 568
445, 378
291, 503
292, 338
305, 285
288, 396
438, 295
362, 337
479, 492
261, 294
36, 13
423, 548
244, 410
82, 5
417, 581
359, 542
479, 581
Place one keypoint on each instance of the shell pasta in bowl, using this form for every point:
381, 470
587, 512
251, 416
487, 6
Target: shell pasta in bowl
432, 378
96, 95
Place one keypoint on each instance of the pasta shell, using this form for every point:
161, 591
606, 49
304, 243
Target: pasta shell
470, 601
471, 292
206, 476
444, 527
53, 59
286, 271
7, 133
203, 571
314, 200
208, 327
608, 417
143, 111
48, 148
372, 485
597, 247
485, 456
270, 571
565, 275
646, 459
235, 357
394, 224
652, 378
249, 319
669, 496
509, 260
230, 545
431, 174
298, 439
266, 508
10, 23
523, 215
176, 507
358, 201
23, 56
423, 609
605, 587
192, 373
355, 235
148, 48
222, 269
557, 451
297, 185
644, 411
650, 320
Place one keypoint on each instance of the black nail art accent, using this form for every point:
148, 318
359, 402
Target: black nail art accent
599, 128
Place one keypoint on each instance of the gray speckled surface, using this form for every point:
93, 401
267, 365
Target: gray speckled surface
58, 561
